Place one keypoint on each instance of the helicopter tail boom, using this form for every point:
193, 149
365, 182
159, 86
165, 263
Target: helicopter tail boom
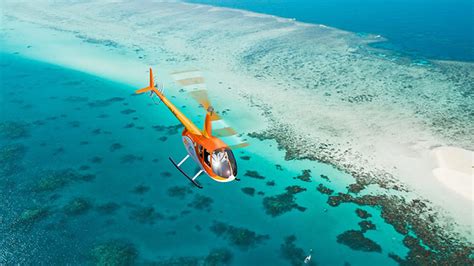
176, 112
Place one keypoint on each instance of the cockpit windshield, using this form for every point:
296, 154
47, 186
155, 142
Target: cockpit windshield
223, 163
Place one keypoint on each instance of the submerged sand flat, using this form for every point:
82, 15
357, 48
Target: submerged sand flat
324, 94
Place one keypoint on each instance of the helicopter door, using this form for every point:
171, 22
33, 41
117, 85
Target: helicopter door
207, 157
204, 154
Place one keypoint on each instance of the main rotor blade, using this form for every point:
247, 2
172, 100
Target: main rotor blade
194, 84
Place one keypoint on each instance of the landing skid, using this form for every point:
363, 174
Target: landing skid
186, 175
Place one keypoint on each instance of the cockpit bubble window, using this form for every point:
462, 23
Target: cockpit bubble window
223, 163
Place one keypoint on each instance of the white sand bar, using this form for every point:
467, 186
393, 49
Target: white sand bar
456, 170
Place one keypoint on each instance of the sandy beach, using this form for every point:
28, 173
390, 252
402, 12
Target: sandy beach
319, 92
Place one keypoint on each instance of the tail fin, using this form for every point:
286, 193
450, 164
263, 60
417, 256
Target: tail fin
150, 87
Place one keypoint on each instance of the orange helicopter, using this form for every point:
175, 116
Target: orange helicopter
212, 154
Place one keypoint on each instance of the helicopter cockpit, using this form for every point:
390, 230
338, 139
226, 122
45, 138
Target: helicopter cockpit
223, 163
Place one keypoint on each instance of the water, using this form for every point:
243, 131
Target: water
112, 182
439, 29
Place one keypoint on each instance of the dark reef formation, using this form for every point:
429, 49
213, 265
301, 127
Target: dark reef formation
201, 202
140, 189
445, 246
77, 206
240, 237
14, 130
108, 208
362, 213
305, 176
130, 158
145, 215
30, 217
127, 111
366, 225
11, 157
406, 216
115, 146
324, 190
106, 102
169, 130
282, 203
218, 257
357, 241
294, 254
179, 192
249, 191
325, 177
54, 180
96, 159
270, 183
114, 252
254, 174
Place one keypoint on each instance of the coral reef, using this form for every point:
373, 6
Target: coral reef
305, 176
179, 261
295, 189
53, 180
108, 208
324, 190
325, 177
293, 254
96, 159
141, 189
170, 130
240, 237
129, 125
249, 190
114, 252
179, 192
145, 215
84, 167
366, 225
357, 241
270, 183
77, 206
254, 174
405, 216
10, 159
14, 130
127, 111
282, 203
218, 257
105, 103
166, 174
30, 216
201, 203
362, 213
74, 124
130, 158
115, 146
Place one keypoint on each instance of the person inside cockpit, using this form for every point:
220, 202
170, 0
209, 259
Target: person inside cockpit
223, 163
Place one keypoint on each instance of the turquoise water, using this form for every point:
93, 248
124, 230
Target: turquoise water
85, 178
434, 29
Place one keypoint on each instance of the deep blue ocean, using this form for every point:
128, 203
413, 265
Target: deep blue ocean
427, 29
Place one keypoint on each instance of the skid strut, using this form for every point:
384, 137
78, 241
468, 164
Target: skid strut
186, 175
